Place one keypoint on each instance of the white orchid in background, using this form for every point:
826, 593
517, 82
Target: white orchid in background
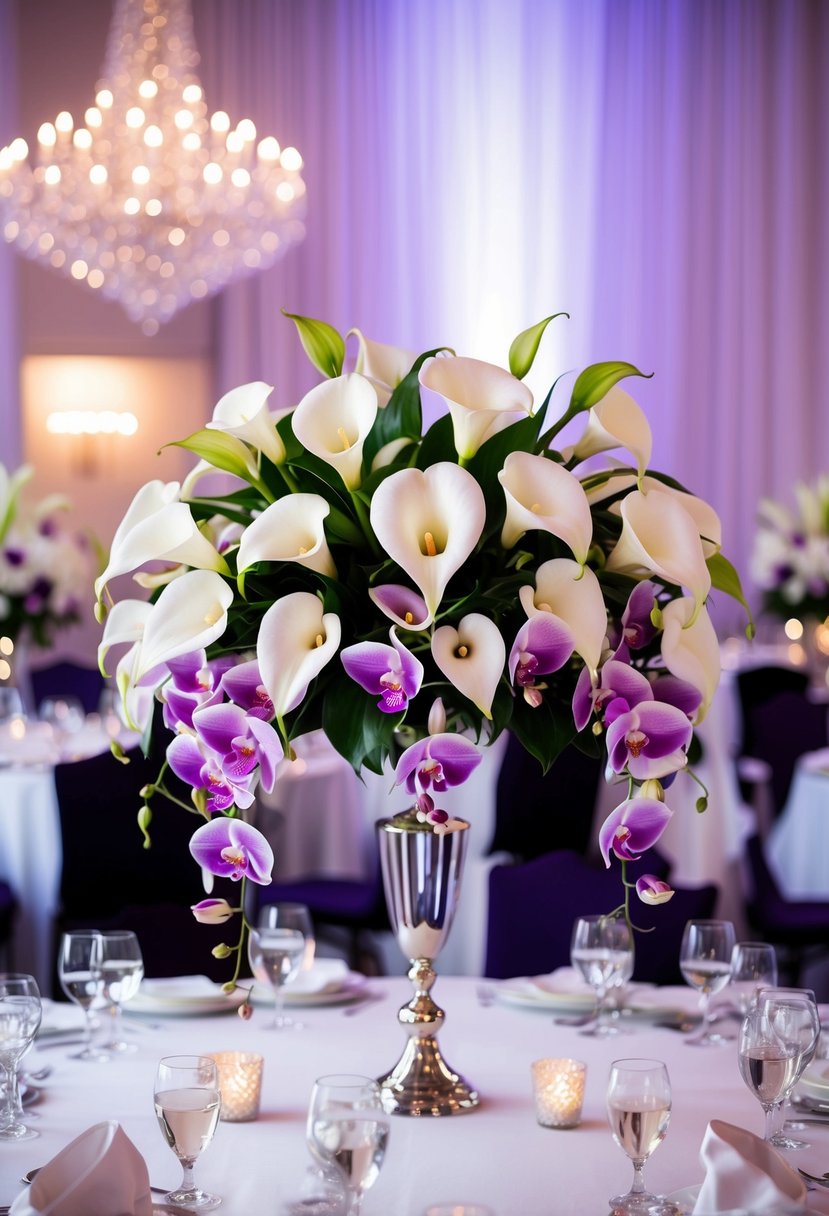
790, 560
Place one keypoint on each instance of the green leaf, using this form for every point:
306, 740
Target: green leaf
402, 416
323, 345
596, 380
525, 347
725, 578
438, 444
223, 451
544, 731
354, 725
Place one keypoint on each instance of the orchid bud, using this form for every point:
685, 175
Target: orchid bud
652, 890
229, 987
221, 951
245, 1011
437, 718
212, 911
652, 789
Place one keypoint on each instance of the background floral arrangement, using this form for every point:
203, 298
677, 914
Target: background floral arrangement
45, 568
413, 590
790, 561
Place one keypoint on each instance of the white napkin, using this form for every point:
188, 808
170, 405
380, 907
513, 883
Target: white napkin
101, 1173
60, 1018
743, 1172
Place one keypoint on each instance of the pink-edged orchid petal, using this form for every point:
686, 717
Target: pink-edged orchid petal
429, 522
289, 530
243, 412
660, 537
401, 605
124, 624
437, 762
653, 890
391, 673
572, 593
269, 751
242, 683
333, 421
385, 366
472, 658
480, 397
690, 649
542, 645
649, 740
296, 639
542, 495
191, 672
188, 615
212, 911
617, 421
219, 725
618, 684
204, 769
633, 828
230, 848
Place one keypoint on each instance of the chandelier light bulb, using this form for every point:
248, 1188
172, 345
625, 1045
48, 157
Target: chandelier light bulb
153, 201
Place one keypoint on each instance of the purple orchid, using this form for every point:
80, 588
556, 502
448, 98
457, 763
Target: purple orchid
390, 672
649, 740
204, 770
634, 827
242, 740
653, 890
543, 645
617, 681
191, 687
437, 762
243, 684
637, 627
233, 849
212, 911
678, 693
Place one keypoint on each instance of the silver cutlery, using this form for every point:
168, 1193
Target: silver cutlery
815, 1179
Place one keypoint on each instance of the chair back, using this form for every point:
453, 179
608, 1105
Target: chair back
68, 679
779, 729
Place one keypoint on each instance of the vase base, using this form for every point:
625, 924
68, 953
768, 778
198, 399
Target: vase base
422, 1083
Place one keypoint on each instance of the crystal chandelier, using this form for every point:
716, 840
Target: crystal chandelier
152, 202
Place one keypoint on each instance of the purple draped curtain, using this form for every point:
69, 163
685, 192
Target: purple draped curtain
10, 437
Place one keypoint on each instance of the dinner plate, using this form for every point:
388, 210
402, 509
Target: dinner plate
317, 988
545, 993
685, 1197
184, 996
814, 1083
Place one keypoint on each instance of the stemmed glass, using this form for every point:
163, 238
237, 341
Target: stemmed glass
123, 971
602, 952
276, 950
767, 1064
753, 966
793, 1014
187, 1104
348, 1129
639, 1110
705, 963
81, 976
20, 1013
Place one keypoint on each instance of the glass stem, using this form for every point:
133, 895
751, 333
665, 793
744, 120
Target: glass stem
601, 998
117, 1023
770, 1110
12, 1103
355, 1202
704, 1005
638, 1187
278, 1005
188, 1181
89, 1027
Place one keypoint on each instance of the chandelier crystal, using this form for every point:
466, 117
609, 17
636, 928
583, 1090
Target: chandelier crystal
152, 202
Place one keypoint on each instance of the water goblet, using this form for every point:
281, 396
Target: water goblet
753, 966
639, 1110
767, 1064
276, 951
123, 970
794, 1015
81, 976
20, 1013
602, 952
348, 1129
705, 963
187, 1104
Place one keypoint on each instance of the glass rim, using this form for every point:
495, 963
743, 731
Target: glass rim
346, 1080
185, 1061
638, 1063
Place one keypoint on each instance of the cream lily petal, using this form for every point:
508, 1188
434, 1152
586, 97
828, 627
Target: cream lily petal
573, 594
151, 580
204, 468
660, 537
333, 420
125, 623
479, 396
148, 501
289, 530
691, 652
617, 421
296, 639
189, 614
385, 366
540, 494
243, 412
171, 534
472, 658
429, 522
136, 704
703, 514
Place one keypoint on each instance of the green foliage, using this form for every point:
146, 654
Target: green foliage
524, 348
323, 345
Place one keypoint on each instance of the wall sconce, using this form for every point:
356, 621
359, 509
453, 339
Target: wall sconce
85, 427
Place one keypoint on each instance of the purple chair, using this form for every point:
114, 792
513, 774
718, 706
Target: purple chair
68, 679
532, 908
8, 907
798, 928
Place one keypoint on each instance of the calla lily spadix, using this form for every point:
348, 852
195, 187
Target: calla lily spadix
429, 521
244, 412
472, 658
617, 421
190, 614
385, 366
290, 530
691, 652
572, 593
480, 397
296, 639
541, 494
333, 421
125, 623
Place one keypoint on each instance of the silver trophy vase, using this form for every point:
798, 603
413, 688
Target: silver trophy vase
422, 880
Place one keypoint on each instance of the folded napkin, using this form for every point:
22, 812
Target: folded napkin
326, 975
744, 1173
101, 1173
60, 1018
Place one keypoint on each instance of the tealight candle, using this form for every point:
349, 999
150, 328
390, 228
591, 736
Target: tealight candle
240, 1084
559, 1091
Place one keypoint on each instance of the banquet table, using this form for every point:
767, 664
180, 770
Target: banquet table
798, 845
496, 1155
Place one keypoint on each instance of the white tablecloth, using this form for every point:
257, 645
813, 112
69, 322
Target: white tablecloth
497, 1155
798, 845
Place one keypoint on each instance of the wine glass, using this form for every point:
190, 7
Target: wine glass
81, 976
602, 952
347, 1128
639, 1110
187, 1104
794, 1015
11, 703
753, 966
705, 963
276, 951
767, 1063
123, 971
20, 1013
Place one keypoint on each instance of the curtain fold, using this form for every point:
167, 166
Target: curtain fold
10, 421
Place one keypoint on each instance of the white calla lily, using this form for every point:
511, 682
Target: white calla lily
617, 421
385, 366
289, 530
204, 468
137, 701
540, 494
429, 521
189, 614
706, 518
244, 412
333, 420
10, 487
125, 623
690, 649
572, 593
659, 536
481, 398
472, 658
296, 640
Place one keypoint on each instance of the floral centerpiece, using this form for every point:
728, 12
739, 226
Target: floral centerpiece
790, 560
415, 589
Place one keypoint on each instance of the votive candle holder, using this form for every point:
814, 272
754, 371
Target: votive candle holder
558, 1086
240, 1084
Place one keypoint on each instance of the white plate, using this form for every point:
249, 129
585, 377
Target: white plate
815, 1081
542, 993
185, 996
686, 1197
352, 987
